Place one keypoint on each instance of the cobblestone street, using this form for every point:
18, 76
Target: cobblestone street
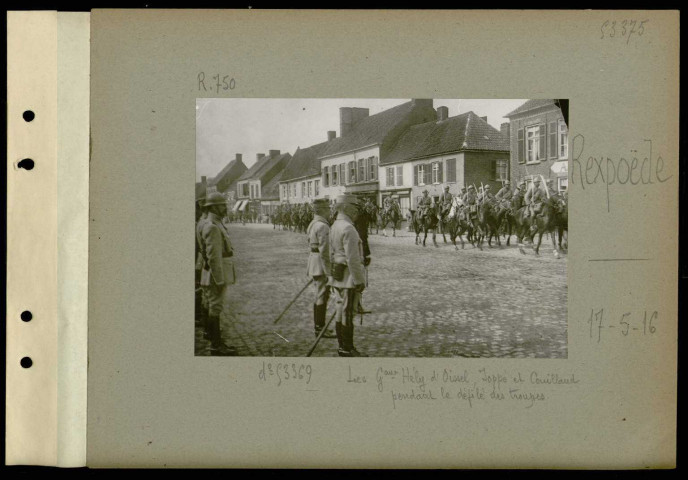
426, 302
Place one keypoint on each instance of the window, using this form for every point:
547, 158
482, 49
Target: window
563, 140
342, 173
352, 172
317, 187
400, 175
303, 189
335, 174
552, 140
390, 176
563, 183
362, 170
326, 176
521, 147
372, 168
451, 170
244, 190
501, 170
535, 143
428, 174
435, 172
310, 189
420, 180
293, 190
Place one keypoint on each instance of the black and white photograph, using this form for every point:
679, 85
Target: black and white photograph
381, 227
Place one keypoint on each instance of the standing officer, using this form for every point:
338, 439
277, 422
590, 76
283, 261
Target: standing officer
361, 223
319, 262
348, 275
201, 298
216, 246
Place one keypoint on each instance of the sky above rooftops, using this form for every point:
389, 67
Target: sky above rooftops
227, 126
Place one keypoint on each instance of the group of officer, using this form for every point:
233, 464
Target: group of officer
532, 197
337, 263
212, 248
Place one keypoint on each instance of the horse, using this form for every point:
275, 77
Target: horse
371, 212
562, 211
490, 216
546, 221
458, 223
389, 214
429, 222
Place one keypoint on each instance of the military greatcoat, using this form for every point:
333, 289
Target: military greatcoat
346, 248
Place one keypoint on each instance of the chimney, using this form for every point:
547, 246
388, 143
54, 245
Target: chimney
203, 180
238, 158
259, 156
505, 128
274, 153
349, 116
484, 118
331, 135
421, 102
442, 113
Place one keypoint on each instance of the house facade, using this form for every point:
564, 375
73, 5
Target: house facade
539, 142
300, 182
448, 152
256, 184
225, 182
350, 164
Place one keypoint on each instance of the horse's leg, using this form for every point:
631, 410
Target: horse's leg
434, 237
537, 248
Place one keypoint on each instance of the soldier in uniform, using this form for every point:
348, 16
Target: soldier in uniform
487, 194
424, 204
348, 274
505, 192
201, 304
534, 198
550, 188
215, 246
517, 199
445, 202
361, 224
319, 262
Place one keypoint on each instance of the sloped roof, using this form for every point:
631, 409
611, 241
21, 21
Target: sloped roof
304, 163
262, 167
463, 132
270, 191
233, 169
200, 190
374, 129
531, 105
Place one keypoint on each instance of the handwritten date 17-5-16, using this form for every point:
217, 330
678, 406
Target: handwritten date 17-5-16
215, 83
627, 324
285, 372
623, 29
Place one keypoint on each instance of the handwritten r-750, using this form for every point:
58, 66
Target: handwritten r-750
286, 372
216, 83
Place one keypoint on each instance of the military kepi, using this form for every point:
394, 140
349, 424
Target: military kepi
346, 200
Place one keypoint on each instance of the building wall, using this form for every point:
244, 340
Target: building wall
479, 168
297, 195
436, 188
524, 171
339, 189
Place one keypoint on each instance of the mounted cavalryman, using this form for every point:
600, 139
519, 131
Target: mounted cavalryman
534, 198
505, 192
424, 204
445, 202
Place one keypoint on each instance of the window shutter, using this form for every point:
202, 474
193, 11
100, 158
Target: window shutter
324, 177
542, 150
415, 175
553, 153
521, 147
440, 172
428, 174
400, 175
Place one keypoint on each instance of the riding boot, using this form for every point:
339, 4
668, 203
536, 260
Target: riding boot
319, 314
349, 349
340, 336
217, 346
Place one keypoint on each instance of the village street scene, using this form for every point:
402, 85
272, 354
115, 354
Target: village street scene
381, 228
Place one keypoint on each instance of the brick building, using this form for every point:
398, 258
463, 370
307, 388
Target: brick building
300, 182
448, 151
539, 142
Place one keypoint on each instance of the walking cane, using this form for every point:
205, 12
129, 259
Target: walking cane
322, 332
292, 302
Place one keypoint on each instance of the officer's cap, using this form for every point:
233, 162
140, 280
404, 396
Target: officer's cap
215, 198
471, 187
346, 200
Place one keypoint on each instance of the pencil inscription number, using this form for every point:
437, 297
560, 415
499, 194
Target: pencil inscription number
215, 83
623, 29
628, 324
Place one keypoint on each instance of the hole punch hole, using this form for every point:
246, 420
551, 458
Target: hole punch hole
26, 164
28, 115
26, 362
26, 316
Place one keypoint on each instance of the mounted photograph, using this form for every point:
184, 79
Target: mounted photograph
381, 227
